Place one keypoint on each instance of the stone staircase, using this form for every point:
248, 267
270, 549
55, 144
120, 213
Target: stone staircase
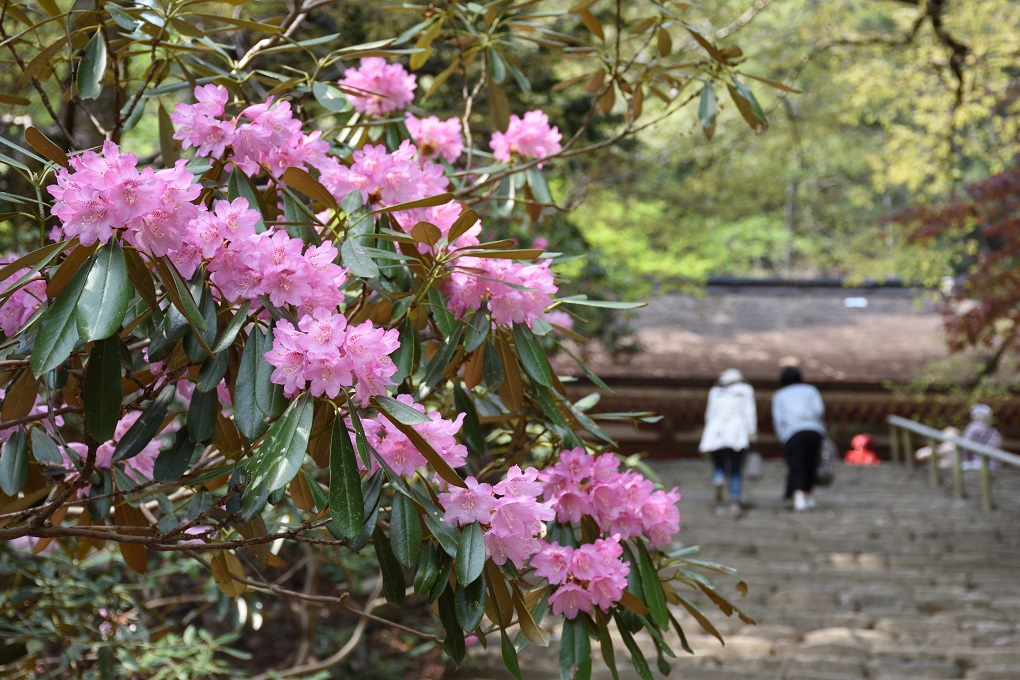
888, 579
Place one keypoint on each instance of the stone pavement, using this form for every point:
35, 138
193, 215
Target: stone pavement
888, 579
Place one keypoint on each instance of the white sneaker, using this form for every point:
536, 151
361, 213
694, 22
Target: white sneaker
799, 501
810, 501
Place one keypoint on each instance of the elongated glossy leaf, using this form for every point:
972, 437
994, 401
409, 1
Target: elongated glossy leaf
478, 326
453, 644
370, 491
91, 67
105, 297
169, 147
279, 457
428, 569
145, 428
510, 655
45, 449
437, 462
42, 143
58, 333
392, 574
408, 415
232, 329
346, 503
439, 362
172, 462
247, 415
356, 258
469, 602
532, 357
575, 651
14, 463
299, 179
637, 657
529, 628
330, 98
651, 586
429, 202
405, 531
198, 343
407, 356
202, 416
470, 554
102, 390
212, 372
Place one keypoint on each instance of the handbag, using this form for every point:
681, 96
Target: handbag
826, 470
753, 465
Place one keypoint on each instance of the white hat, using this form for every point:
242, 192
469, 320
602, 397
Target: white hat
980, 411
730, 376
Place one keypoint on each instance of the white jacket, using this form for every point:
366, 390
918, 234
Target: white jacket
797, 408
731, 419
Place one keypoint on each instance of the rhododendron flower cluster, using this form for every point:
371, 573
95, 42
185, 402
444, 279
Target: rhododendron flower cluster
527, 137
435, 137
376, 87
400, 453
325, 355
591, 575
516, 292
385, 178
623, 503
140, 464
270, 135
510, 513
101, 194
21, 305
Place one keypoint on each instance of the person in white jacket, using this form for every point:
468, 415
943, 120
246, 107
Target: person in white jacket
731, 424
798, 416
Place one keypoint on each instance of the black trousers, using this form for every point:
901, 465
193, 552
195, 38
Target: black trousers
802, 451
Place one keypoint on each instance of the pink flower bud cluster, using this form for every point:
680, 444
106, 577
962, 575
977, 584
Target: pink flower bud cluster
528, 137
516, 292
270, 137
510, 513
623, 503
376, 87
101, 194
434, 137
592, 575
324, 355
21, 305
402, 455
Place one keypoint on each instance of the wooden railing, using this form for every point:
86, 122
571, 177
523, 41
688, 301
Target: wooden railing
901, 433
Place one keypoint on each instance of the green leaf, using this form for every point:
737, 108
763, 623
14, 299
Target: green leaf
437, 462
655, 598
453, 644
408, 415
202, 416
331, 99
356, 258
197, 343
346, 504
707, 109
440, 360
45, 449
583, 301
58, 333
472, 430
532, 357
637, 657
539, 187
575, 651
101, 394
248, 416
478, 327
405, 531
469, 602
169, 148
240, 186
212, 372
91, 67
428, 569
173, 461
14, 463
510, 655
145, 428
370, 491
392, 574
232, 329
407, 356
470, 553
105, 297
279, 456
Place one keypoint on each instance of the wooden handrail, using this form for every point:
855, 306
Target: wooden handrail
932, 435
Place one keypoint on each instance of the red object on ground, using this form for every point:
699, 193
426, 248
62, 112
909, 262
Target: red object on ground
862, 451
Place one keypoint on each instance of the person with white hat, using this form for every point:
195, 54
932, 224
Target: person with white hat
731, 424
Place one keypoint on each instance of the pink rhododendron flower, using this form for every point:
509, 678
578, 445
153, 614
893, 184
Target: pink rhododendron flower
376, 87
553, 563
516, 292
569, 600
21, 305
383, 178
434, 137
200, 125
528, 137
139, 467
